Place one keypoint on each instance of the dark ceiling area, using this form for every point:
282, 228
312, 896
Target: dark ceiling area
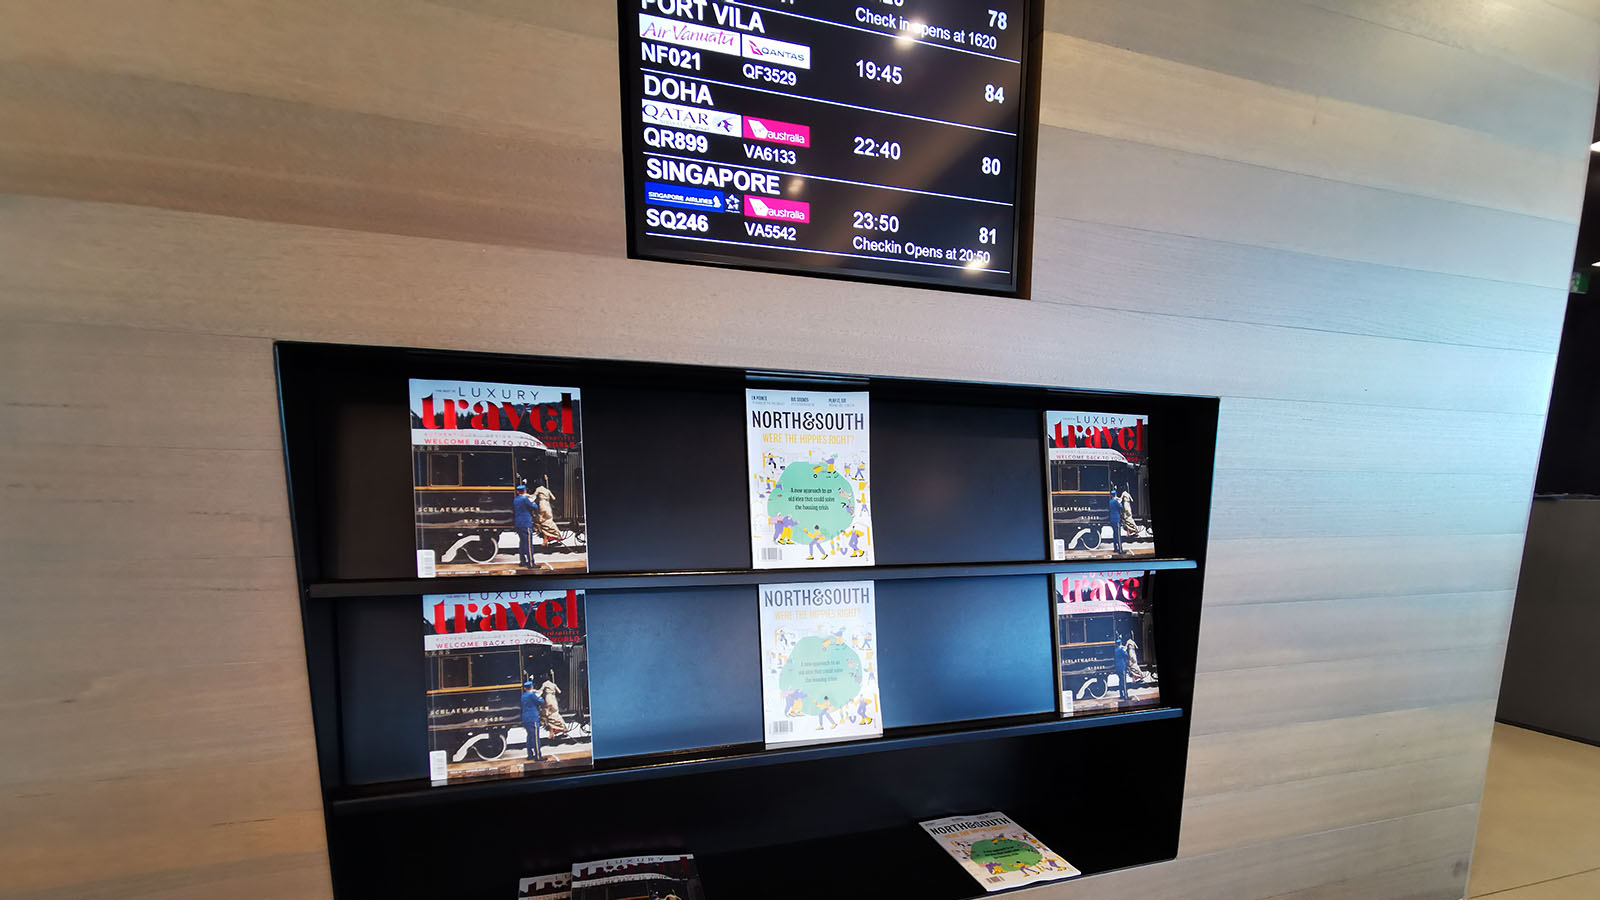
1570, 462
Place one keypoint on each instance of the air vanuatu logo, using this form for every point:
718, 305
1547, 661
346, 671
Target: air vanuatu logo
688, 34
677, 116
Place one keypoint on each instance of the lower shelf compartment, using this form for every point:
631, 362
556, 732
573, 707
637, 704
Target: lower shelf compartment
632, 769
834, 820
902, 861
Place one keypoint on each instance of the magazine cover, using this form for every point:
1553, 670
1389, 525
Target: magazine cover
546, 887
1106, 641
809, 479
508, 684
1099, 475
997, 851
497, 476
638, 878
819, 662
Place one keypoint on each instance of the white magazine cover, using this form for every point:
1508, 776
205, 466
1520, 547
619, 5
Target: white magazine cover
497, 478
998, 852
1098, 469
557, 886
809, 478
638, 876
819, 662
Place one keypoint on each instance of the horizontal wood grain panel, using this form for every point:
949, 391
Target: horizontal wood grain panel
1092, 264
93, 136
578, 16
1275, 570
218, 813
106, 400
288, 875
134, 140
1251, 758
1440, 878
1588, 9
65, 501
138, 713
1303, 47
1341, 437
246, 606
1276, 504
1117, 182
1237, 818
406, 61
120, 265
1112, 92
1306, 692
1275, 634
1533, 34
1276, 867
131, 387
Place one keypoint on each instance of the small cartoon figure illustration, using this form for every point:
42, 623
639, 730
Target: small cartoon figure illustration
862, 716
816, 542
825, 709
834, 637
794, 698
855, 535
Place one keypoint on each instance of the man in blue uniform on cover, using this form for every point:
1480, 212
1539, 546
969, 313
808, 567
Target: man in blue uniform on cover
1116, 519
525, 512
532, 703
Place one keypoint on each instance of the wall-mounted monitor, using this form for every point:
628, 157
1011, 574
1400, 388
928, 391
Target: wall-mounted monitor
876, 139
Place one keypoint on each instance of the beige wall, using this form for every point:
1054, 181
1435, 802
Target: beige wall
1352, 219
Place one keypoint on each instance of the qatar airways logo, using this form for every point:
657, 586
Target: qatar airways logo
678, 116
773, 208
777, 132
781, 52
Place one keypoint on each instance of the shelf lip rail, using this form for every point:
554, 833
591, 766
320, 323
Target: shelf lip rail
386, 587
392, 795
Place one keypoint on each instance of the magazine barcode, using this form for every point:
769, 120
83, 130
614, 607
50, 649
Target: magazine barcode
996, 879
783, 727
772, 554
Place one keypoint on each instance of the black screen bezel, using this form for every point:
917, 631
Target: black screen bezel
1022, 206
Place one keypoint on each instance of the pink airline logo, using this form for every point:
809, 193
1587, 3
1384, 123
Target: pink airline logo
773, 208
777, 132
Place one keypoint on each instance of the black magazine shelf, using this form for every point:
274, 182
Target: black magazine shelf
963, 599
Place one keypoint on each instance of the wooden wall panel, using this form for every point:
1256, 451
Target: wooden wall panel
98, 264
1197, 110
1531, 34
1302, 46
1352, 220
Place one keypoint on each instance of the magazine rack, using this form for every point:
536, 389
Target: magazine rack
964, 616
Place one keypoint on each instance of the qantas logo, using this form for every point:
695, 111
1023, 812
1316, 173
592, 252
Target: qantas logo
782, 52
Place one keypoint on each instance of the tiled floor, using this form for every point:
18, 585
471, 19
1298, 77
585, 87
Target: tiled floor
1539, 830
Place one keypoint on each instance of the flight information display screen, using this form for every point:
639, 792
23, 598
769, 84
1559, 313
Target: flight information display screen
874, 139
